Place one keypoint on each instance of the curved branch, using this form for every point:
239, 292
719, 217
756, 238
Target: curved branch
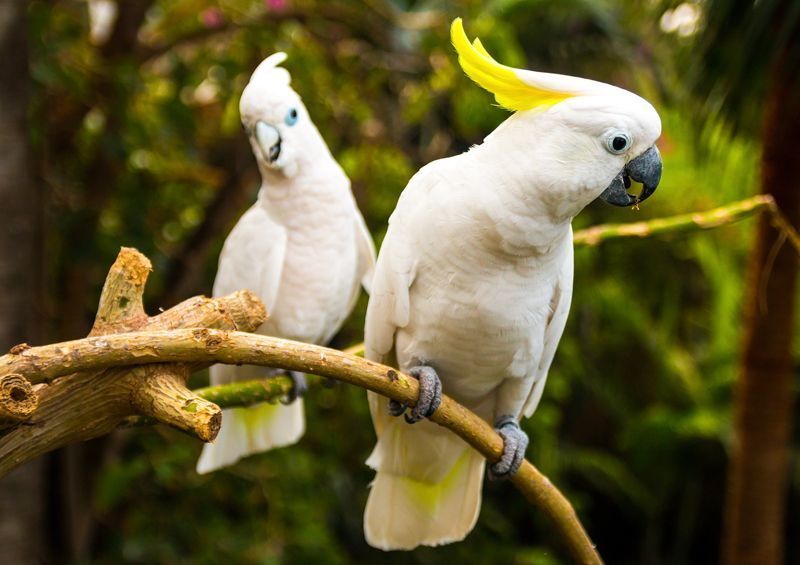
709, 219
207, 346
684, 222
84, 404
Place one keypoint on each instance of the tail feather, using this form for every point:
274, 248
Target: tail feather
246, 431
427, 489
403, 513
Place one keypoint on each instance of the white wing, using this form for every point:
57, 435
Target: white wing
365, 265
366, 252
252, 257
427, 486
389, 307
562, 299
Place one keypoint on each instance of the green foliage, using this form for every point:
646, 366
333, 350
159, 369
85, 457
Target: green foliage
741, 42
134, 150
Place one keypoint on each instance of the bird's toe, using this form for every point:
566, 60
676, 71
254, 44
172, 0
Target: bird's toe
515, 443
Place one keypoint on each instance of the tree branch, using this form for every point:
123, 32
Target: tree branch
121, 298
85, 403
247, 393
165, 398
685, 222
692, 222
359, 20
124, 35
208, 346
95, 392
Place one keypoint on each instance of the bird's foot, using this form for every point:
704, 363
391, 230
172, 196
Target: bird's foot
299, 387
515, 442
430, 395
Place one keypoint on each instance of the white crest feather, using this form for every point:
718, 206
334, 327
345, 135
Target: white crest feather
268, 69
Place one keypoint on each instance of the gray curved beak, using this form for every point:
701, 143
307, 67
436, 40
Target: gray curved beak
646, 169
269, 140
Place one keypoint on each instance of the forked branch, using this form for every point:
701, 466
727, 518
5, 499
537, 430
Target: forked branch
133, 365
78, 402
209, 346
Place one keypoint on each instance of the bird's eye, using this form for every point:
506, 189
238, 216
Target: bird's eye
618, 142
291, 117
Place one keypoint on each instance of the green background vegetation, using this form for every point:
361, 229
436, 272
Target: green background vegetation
143, 148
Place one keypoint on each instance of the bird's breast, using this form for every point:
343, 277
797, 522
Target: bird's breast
319, 277
477, 325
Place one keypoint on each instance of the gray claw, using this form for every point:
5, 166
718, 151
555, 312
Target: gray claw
397, 408
430, 395
515, 442
299, 387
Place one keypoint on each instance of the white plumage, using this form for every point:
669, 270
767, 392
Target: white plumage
303, 248
474, 279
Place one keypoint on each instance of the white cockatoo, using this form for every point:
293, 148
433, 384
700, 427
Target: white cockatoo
303, 248
474, 279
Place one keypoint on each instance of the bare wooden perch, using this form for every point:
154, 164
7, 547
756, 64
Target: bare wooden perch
97, 383
87, 402
135, 365
208, 345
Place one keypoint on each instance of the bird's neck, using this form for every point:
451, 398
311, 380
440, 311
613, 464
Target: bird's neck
534, 211
318, 184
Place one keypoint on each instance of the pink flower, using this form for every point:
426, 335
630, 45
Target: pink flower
276, 5
212, 18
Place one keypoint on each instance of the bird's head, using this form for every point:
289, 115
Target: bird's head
282, 135
590, 139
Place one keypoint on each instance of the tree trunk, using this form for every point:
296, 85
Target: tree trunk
21, 493
758, 472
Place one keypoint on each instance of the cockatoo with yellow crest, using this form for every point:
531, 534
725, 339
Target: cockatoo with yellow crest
303, 248
474, 279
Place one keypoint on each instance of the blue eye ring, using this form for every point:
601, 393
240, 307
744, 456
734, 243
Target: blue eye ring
618, 142
291, 117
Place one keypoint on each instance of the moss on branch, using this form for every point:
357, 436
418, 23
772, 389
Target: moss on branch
246, 393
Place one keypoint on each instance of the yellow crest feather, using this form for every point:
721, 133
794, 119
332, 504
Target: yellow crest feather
502, 81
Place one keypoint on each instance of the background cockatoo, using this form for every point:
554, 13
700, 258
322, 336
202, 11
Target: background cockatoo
474, 280
303, 248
